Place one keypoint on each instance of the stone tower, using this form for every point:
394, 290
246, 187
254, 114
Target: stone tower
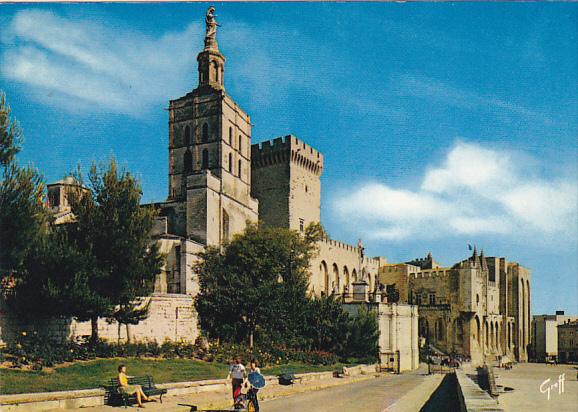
286, 180
209, 156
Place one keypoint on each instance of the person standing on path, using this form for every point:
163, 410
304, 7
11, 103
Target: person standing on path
237, 374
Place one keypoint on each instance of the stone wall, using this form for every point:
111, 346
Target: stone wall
337, 265
171, 317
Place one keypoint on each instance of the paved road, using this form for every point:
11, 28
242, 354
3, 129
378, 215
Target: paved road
530, 391
372, 395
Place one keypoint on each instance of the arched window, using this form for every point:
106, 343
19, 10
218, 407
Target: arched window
225, 225
324, 276
354, 273
239, 167
478, 331
230, 163
187, 136
230, 136
216, 66
188, 162
240, 143
440, 330
205, 159
346, 276
336, 277
205, 137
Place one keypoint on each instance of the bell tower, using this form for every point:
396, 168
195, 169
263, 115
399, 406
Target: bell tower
209, 154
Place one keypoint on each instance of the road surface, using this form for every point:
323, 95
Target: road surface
373, 395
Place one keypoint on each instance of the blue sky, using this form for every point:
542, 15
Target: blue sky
441, 124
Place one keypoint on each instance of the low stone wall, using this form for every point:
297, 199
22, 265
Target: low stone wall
171, 317
473, 398
44, 401
417, 397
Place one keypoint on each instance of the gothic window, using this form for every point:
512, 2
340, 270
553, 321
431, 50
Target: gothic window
230, 136
216, 66
187, 136
239, 166
325, 276
230, 163
336, 276
301, 225
205, 159
225, 225
205, 133
188, 161
440, 330
477, 299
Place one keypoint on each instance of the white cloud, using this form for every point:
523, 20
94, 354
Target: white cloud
87, 64
472, 191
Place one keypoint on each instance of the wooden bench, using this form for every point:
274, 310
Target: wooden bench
115, 397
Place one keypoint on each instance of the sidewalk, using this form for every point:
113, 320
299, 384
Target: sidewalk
222, 399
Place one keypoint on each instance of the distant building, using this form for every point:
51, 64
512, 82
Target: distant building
568, 342
545, 344
478, 308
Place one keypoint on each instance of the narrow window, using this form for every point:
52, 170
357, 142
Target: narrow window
205, 159
205, 133
432, 299
216, 66
240, 143
188, 162
230, 163
301, 225
187, 136
230, 136
225, 225
239, 165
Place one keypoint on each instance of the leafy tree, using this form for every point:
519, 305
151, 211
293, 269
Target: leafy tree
115, 231
23, 218
326, 324
362, 335
58, 281
255, 283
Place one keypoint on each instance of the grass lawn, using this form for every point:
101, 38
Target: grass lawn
92, 374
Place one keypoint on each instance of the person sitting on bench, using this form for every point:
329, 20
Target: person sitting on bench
125, 388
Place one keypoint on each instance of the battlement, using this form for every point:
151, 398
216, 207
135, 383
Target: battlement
284, 150
350, 248
433, 273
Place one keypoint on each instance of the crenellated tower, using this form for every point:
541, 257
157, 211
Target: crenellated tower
286, 180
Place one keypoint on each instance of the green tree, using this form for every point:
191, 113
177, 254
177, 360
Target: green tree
362, 335
58, 281
326, 324
23, 218
255, 283
112, 227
